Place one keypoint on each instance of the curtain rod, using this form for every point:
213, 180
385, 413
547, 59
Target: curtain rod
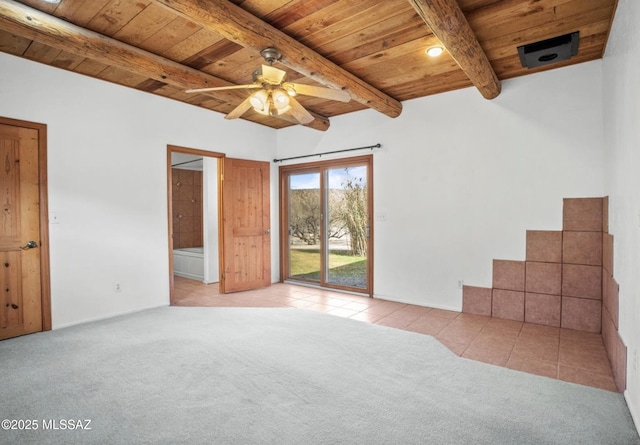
369, 147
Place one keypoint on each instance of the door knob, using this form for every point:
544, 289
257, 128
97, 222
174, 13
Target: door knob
266, 232
29, 245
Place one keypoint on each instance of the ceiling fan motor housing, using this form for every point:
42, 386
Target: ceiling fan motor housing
271, 55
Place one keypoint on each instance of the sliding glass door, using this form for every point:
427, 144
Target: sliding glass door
305, 215
325, 209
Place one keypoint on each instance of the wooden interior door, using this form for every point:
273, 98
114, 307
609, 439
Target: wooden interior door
21, 309
246, 235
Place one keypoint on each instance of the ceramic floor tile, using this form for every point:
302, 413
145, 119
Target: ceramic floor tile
537, 367
570, 355
474, 318
428, 324
583, 355
536, 348
453, 346
472, 321
366, 317
356, 306
501, 323
444, 313
300, 304
588, 378
323, 299
391, 322
422, 310
458, 333
342, 312
529, 338
589, 337
405, 314
495, 339
491, 356
537, 329
280, 300
317, 307
385, 308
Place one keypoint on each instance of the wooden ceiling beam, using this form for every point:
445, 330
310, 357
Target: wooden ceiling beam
30, 23
240, 26
449, 24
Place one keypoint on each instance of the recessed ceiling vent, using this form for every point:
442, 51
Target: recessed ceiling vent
549, 51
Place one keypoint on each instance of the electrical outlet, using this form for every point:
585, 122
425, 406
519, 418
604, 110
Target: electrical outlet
117, 287
460, 284
635, 360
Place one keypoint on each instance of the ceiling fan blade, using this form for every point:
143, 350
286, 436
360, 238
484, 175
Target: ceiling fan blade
325, 93
299, 112
273, 75
240, 109
231, 87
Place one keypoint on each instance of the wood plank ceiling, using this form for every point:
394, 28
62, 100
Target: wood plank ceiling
373, 49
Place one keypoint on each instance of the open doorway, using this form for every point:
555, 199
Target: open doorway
193, 200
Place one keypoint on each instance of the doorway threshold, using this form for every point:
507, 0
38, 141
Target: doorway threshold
331, 289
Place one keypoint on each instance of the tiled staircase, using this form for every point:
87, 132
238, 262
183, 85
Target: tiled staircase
566, 280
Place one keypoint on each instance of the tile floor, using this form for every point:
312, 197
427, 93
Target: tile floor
563, 354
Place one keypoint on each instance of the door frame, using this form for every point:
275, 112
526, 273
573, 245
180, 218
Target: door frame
284, 170
198, 152
45, 270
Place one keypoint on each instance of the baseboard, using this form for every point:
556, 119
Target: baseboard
433, 306
633, 411
104, 317
189, 275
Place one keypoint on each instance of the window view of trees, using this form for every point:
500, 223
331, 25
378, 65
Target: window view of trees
347, 214
346, 226
304, 215
353, 215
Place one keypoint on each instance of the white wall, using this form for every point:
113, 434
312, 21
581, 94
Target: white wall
210, 210
621, 88
108, 183
461, 178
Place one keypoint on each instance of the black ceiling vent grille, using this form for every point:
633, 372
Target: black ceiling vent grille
549, 51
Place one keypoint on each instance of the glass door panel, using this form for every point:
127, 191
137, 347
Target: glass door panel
347, 226
305, 219
325, 235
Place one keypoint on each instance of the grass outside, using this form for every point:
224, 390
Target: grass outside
343, 267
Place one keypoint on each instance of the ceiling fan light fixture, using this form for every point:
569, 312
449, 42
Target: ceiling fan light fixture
259, 100
290, 89
434, 51
280, 98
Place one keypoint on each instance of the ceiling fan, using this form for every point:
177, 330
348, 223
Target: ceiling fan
275, 96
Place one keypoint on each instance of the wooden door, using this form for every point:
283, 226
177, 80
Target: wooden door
20, 241
246, 237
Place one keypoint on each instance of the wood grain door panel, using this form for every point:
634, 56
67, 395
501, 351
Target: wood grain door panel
245, 225
20, 278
